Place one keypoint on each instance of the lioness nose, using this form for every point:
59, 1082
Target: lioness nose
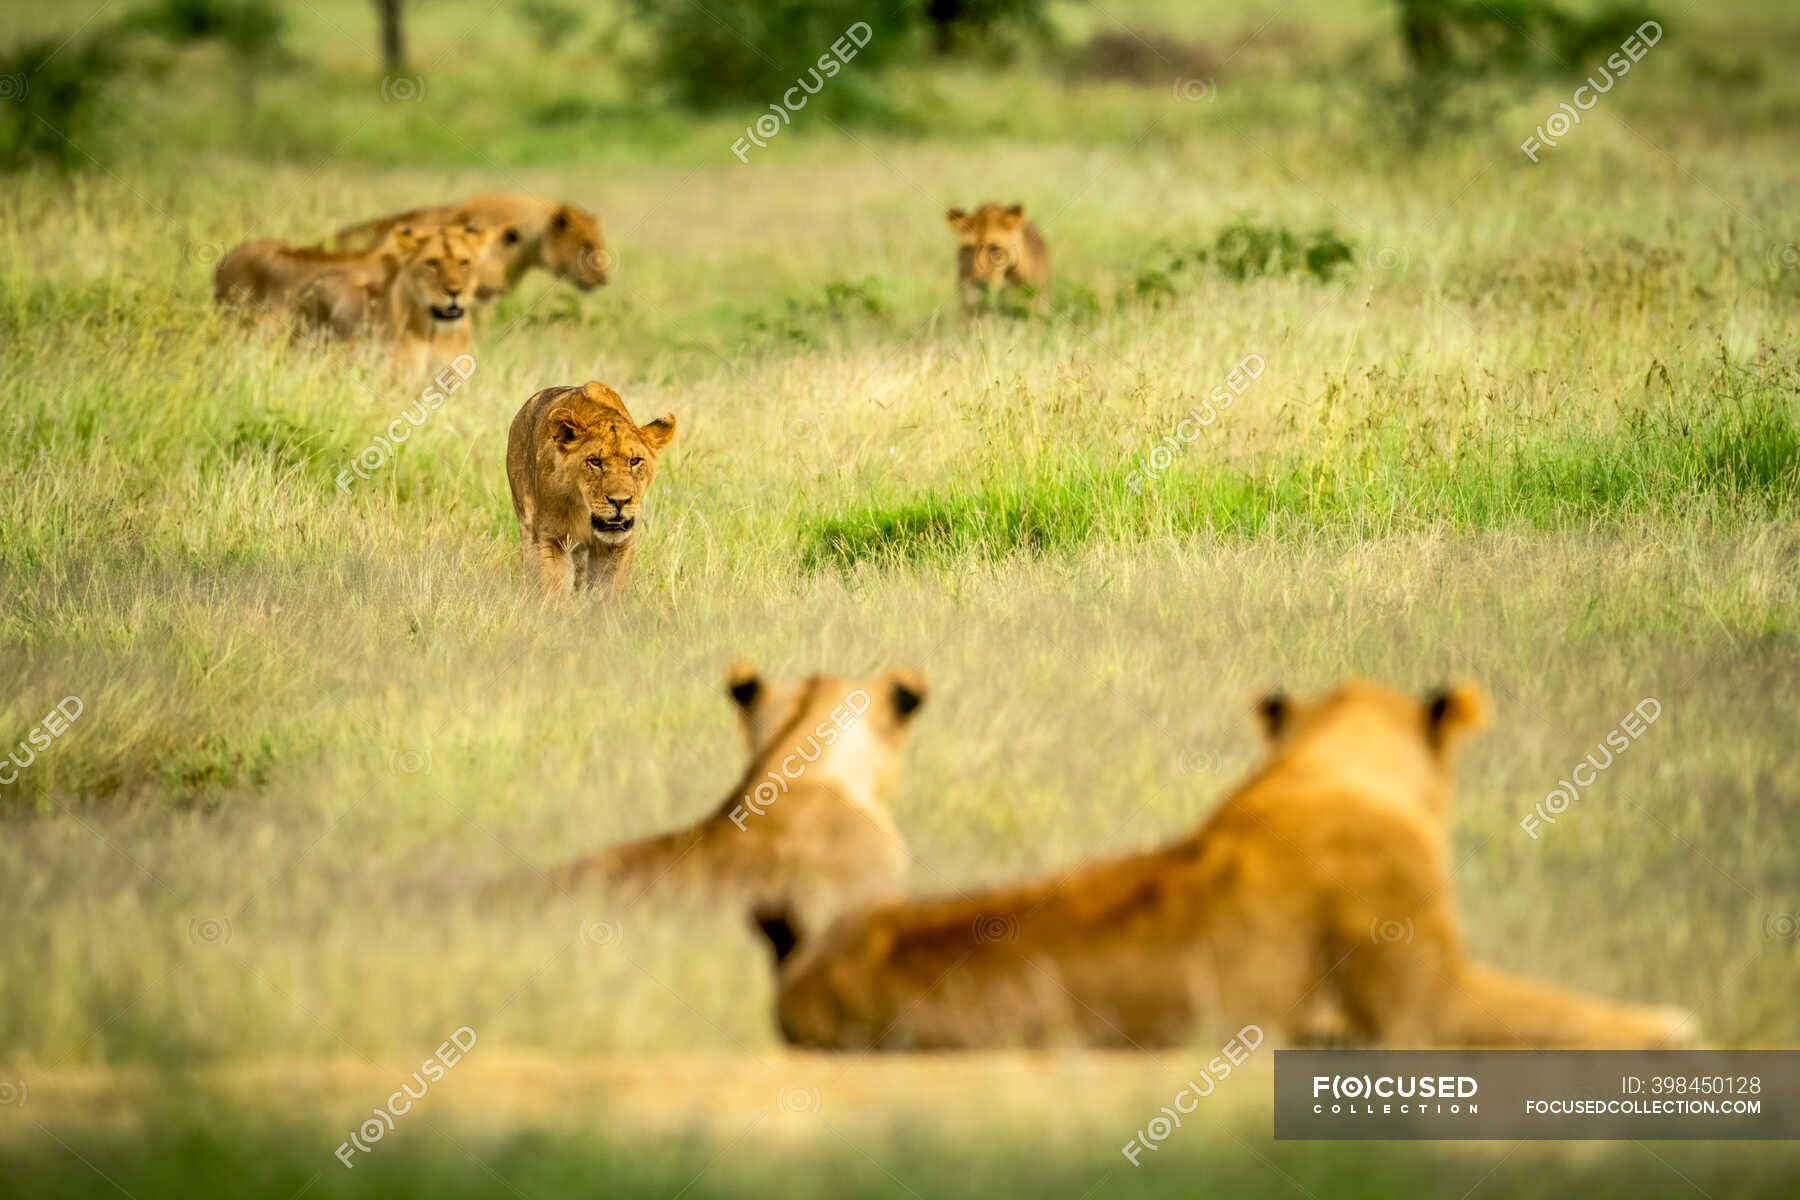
619, 502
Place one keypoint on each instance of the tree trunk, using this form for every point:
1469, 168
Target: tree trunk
393, 40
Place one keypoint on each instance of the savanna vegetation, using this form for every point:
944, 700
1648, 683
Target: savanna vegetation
1536, 424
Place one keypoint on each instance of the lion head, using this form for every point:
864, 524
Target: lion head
848, 728
592, 448
438, 268
989, 242
575, 248
1359, 722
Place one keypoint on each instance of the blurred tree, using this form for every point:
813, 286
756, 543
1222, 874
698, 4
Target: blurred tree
1450, 43
53, 94
960, 24
60, 83
726, 52
393, 35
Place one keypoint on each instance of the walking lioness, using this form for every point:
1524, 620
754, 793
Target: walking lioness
579, 467
807, 828
1324, 877
998, 249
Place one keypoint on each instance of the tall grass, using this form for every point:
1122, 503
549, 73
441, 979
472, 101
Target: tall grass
1745, 455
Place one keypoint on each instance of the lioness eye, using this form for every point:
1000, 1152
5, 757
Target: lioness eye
594, 463
637, 462
434, 262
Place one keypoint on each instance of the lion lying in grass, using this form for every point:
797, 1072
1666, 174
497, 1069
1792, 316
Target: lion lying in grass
1325, 876
807, 827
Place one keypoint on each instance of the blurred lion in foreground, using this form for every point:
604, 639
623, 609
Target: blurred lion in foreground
1322, 883
807, 827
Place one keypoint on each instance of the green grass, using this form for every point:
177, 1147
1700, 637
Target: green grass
1540, 429
1746, 457
206, 1151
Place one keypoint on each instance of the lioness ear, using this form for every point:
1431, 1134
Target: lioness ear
1013, 215
565, 427
659, 432
908, 692
779, 927
560, 221
743, 684
1457, 709
956, 217
1273, 710
407, 240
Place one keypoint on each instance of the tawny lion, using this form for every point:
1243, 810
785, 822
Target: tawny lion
412, 291
998, 249
1325, 875
807, 827
564, 239
579, 468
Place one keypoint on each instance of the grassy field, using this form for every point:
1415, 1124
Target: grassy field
1541, 427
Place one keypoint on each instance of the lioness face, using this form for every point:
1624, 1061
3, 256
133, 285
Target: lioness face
610, 461
861, 721
989, 242
439, 269
575, 248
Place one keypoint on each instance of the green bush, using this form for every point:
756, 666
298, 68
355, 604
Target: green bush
730, 51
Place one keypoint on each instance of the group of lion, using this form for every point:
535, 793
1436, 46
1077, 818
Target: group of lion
1315, 902
413, 280
1278, 911
577, 463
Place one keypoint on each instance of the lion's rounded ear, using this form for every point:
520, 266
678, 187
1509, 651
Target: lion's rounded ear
560, 221
908, 691
955, 216
658, 433
408, 239
564, 427
1273, 712
1013, 216
1460, 708
743, 684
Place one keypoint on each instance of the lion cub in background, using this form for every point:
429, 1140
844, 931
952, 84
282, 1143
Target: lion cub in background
997, 249
579, 467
